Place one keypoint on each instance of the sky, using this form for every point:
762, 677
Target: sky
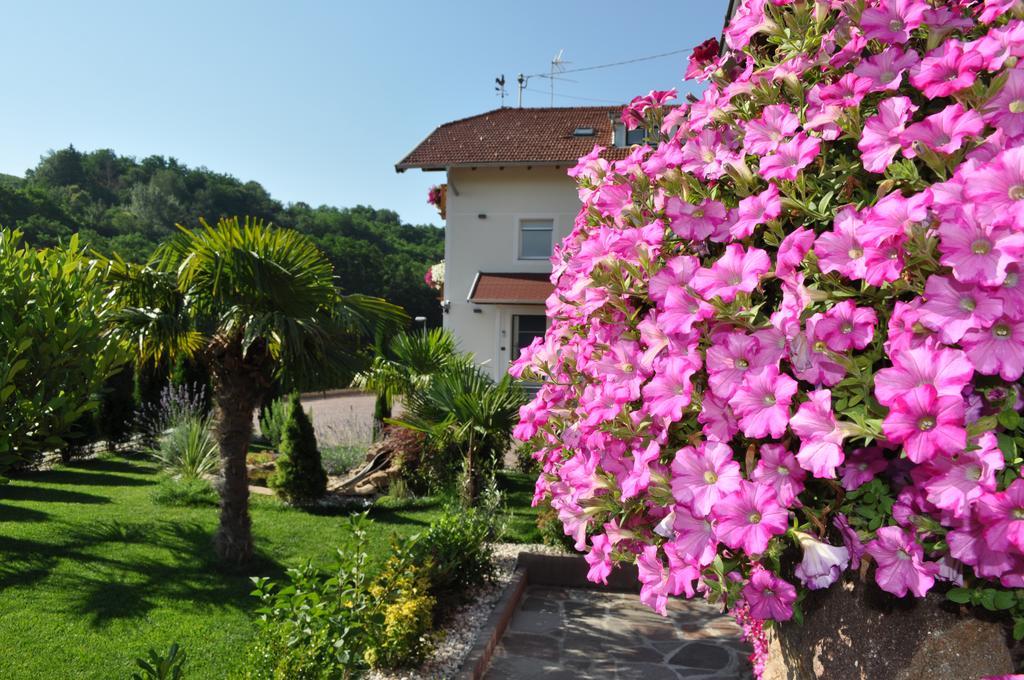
317, 101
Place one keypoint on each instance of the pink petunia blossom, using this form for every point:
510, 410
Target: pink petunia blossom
846, 92
655, 589
779, 468
729, 358
1006, 109
763, 135
944, 131
792, 251
997, 350
762, 401
881, 138
749, 517
756, 210
737, 271
694, 222
822, 563
954, 483
901, 564
718, 420
997, 189
885, 70
861, 466
694, 536
976, 251
926, 423
850, 539
892, 21
952, 308
841, 249
1003, 516
790, 158
599, 559
821, 439
769, 596
639, 477
947, 69
701, 478
749, 20
846, 326
947, 370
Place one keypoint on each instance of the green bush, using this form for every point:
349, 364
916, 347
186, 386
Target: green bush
54, 354
185, 493
272, 421
404, 611
457, 548
340, 458
188, 450
300, 476
160, 667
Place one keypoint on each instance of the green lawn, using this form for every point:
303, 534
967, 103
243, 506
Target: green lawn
93, 573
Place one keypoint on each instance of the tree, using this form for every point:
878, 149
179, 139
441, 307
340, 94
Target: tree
253, 302
300, 476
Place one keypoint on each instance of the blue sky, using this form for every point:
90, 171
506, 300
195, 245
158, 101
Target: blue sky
315, 100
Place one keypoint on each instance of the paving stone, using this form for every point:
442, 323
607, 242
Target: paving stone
535, 622
702, 655
539, 604
525, 644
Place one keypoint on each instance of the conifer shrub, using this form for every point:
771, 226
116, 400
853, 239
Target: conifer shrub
300, 476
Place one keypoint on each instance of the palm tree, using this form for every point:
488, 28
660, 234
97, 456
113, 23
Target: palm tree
254, 303
463, 407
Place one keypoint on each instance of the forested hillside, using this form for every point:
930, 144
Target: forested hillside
120, 204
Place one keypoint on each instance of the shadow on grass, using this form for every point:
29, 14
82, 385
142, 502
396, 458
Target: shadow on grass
112, 465
124, 570
13, 513
78, 477
23, 492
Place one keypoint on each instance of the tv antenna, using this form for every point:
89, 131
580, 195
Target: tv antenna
557, 66
499, 87
522, 80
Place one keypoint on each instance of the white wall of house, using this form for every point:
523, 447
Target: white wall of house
484, 210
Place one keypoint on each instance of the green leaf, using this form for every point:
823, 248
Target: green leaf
1009, 419
1018, 629
959, 595
1004, 599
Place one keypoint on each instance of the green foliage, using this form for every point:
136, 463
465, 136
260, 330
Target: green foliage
54, 354
300, 476
552, 531
272, 421
160, 667
185, 493
128, 206
187, 450
403, 610
457, 547
338, 459
409, 363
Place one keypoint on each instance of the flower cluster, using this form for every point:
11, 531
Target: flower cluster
794, 325
435, 276
435, 195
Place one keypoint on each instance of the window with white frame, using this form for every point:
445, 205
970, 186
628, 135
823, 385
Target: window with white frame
535, 238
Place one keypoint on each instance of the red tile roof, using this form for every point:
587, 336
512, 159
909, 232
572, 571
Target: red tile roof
516, 136
525, 289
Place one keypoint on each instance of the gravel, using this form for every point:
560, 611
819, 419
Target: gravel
465, 624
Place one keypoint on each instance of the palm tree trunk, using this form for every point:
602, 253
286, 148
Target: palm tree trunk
236, 404
469, 492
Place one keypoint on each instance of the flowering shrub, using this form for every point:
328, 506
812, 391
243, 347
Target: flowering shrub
436, 197
788, 338
435, 276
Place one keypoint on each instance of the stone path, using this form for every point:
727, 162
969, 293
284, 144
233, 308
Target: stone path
578, 633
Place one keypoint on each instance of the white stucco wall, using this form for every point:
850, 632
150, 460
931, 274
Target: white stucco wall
491, 244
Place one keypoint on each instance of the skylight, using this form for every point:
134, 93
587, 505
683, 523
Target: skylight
583, 132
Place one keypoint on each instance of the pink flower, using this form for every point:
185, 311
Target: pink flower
762, 402
729, 358
861, 467
778, 468
881, 137
947, 370
821, 439
694, 222
701, 478
822, 563
952, 308
978, 252
599, 559
944, 131
764, 135
655, 589
997, 189
694, 536
841, 249
756, 210
893, 20
1006, 109
737, 271
955, 483
1003, 516
676, 273
885, 70
769, 596
946, 70
901, 564
717, 418
639, 478
790, 158
668, 393
703, 60
998, 349
792, 251
846, 92
850, 539
926, 423
748, 20
846, 326
749, 517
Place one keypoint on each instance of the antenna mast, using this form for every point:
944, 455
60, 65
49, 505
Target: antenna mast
557, 66
500, 88
522, 80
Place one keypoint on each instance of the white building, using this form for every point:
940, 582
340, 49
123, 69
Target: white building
508, 202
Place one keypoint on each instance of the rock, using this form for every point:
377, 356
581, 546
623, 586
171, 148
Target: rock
855, 631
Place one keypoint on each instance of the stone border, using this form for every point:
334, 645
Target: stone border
534, 569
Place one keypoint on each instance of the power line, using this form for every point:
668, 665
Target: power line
616, 63
582, 99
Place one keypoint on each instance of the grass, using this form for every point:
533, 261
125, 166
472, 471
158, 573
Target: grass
93, 572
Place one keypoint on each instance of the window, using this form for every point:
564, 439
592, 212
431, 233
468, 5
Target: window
526, 327
535, 239
635, 136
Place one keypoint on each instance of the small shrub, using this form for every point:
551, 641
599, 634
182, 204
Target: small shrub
185, 493
341, 458
175, 405
300, 476
404, 611
188, 450
457, 547
160, 667
273, 420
